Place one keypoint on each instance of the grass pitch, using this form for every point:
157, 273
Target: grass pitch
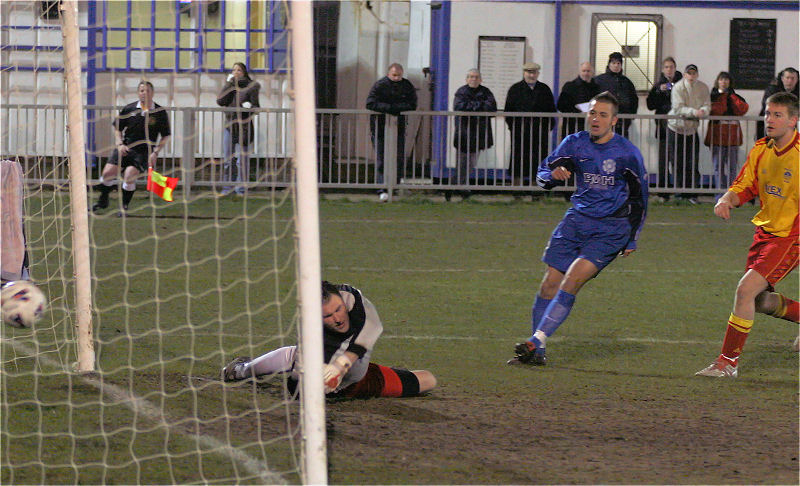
181, 289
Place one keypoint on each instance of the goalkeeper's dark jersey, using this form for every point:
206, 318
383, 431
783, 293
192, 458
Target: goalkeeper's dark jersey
610, 177
365, 326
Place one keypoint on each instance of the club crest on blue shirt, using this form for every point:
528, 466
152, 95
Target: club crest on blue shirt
609, 166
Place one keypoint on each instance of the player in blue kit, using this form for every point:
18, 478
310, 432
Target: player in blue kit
607, 214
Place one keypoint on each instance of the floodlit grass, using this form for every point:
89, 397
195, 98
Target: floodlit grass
180, 289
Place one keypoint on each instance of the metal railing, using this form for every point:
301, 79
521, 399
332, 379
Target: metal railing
421, 150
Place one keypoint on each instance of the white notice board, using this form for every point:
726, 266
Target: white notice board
500, 61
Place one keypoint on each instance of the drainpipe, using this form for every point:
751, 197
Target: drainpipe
440, 70
556, 67
383, 40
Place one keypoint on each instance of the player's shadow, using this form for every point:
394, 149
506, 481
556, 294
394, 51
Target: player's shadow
753, 381
172, 216
401, 409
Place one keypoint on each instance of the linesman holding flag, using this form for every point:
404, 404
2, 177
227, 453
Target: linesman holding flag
136, 131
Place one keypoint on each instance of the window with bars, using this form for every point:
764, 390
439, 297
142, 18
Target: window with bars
637, 37
157, 35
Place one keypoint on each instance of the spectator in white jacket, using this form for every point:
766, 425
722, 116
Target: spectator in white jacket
691, 101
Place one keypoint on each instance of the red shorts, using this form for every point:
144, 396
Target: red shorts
773, 257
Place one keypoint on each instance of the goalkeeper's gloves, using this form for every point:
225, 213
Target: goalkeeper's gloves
247, 104
230, 78
335, 371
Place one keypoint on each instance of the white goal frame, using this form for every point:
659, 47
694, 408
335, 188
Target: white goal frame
314, 463
309, 273
77, 188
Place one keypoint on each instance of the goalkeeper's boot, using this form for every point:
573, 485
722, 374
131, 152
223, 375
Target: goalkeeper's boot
236, 369
528, 353
720, 368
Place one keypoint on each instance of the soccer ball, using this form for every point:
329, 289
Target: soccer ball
22, 303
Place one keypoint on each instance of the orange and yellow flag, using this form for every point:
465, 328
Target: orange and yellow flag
160, 185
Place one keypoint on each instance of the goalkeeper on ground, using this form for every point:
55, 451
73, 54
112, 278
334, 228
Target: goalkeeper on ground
351, 328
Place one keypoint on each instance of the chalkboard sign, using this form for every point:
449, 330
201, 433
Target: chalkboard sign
752, 52
500, 61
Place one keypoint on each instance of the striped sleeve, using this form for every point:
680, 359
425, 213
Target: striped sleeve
366, 339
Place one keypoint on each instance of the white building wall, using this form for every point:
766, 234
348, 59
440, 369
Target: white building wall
370, 39
690, 35
532, 21
470, 20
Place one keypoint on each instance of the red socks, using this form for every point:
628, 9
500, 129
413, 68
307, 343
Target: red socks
735, 337
787, 309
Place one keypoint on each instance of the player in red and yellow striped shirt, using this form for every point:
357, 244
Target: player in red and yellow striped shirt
771, 173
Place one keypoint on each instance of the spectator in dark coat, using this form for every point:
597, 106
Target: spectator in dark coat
472, 133
620, 86
529, 134
239, 91
785, 81
579, 90
390, 95
659, 100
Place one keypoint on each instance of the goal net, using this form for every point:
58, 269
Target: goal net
174, 289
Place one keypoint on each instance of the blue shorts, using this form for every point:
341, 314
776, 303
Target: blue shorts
593, 239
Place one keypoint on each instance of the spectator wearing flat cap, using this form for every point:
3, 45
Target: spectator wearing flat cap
529, 134
691, 100
620, 86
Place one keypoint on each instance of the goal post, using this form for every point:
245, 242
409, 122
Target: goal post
77, 187
120, 380
315, 471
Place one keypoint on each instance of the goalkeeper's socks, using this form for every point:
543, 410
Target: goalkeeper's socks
275, 361
537, 311
556, 313
735, 336
787, 309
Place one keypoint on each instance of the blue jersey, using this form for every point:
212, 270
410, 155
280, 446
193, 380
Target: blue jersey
610, 177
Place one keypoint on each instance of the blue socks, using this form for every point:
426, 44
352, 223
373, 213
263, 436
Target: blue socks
537, 312
556, 313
